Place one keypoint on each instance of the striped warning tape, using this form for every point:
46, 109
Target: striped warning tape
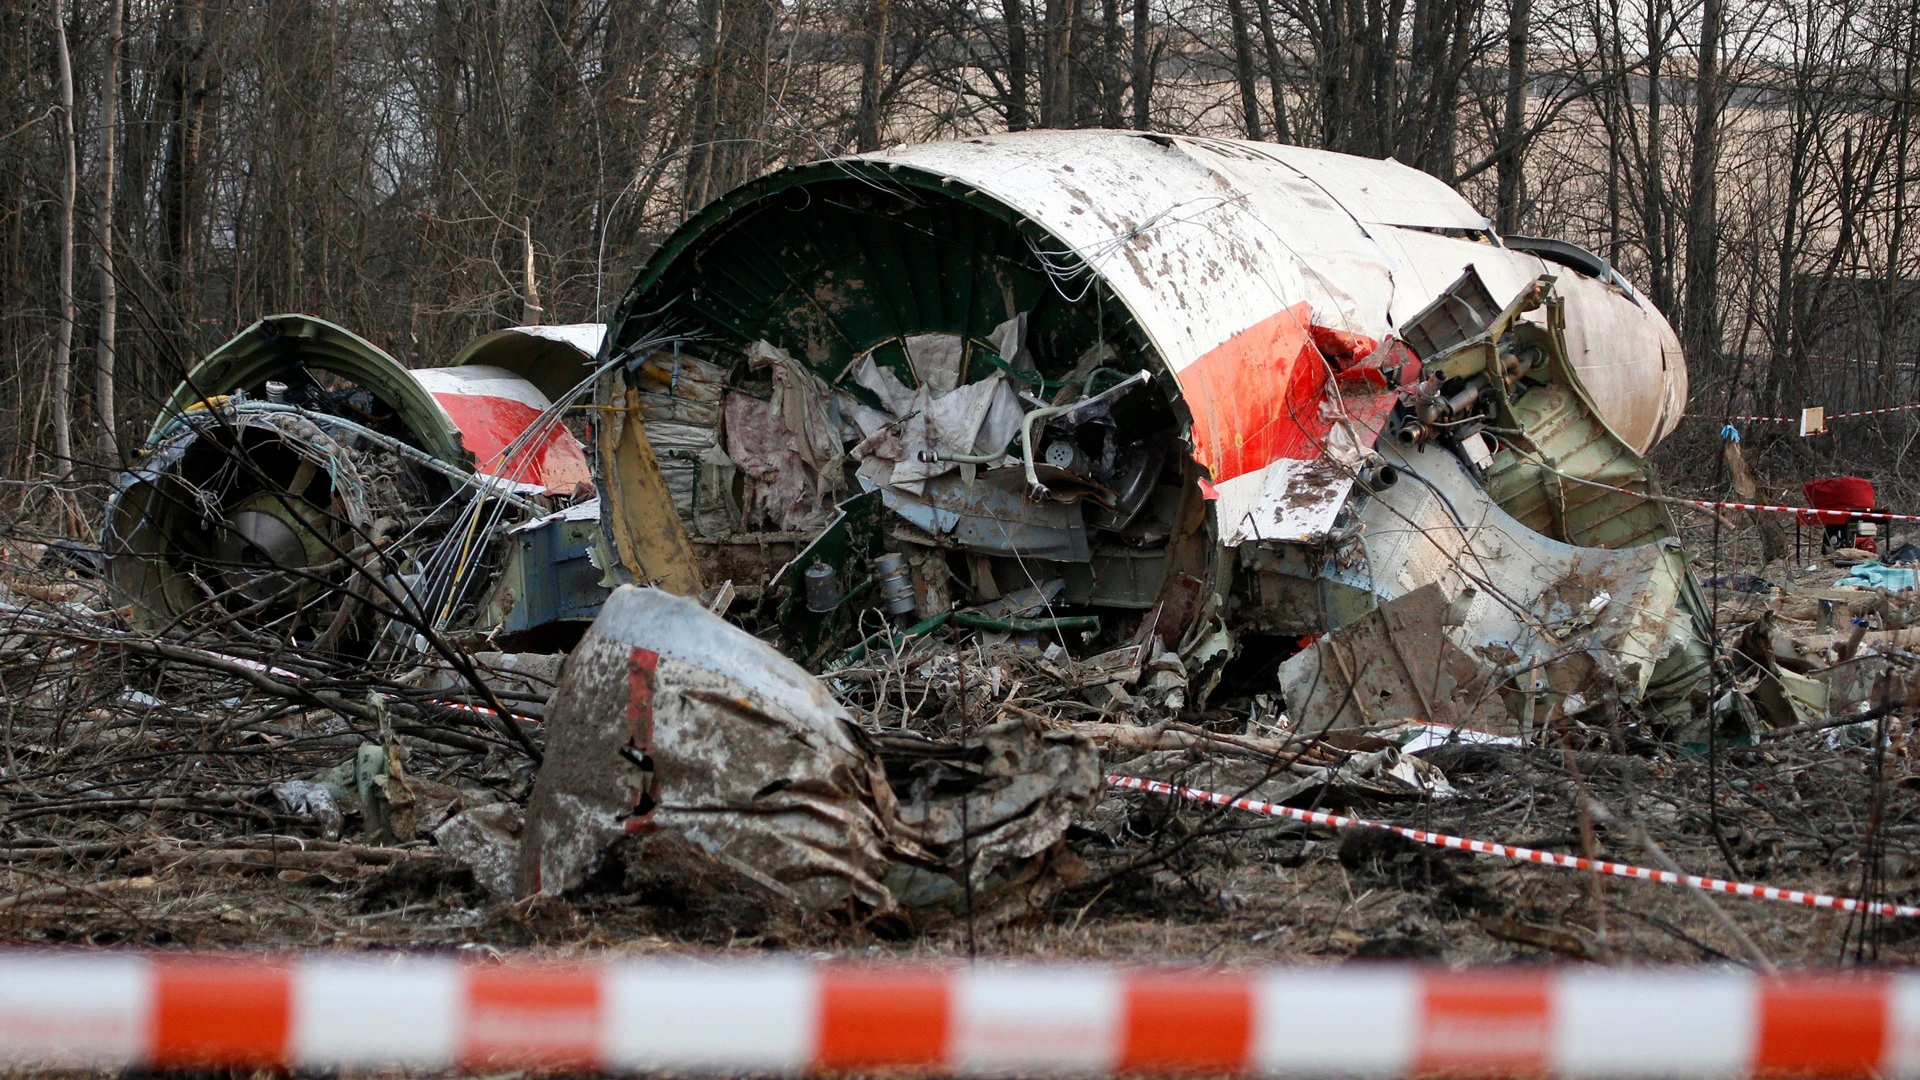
1522, 854
1794, 419
1747, 419
1811, 514
60, 1010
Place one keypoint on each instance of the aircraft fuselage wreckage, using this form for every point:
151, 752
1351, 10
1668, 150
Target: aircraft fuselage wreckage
1105, 389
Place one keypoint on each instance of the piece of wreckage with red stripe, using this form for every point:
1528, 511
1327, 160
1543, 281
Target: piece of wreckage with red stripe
1130, 417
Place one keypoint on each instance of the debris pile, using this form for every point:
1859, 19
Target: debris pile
904, 501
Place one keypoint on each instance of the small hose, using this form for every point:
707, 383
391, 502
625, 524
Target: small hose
1034, 486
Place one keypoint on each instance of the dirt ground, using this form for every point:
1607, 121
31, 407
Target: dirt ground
157, 827
137, 808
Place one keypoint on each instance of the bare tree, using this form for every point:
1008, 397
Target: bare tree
1056, 86
1014, 17
103, 357
872, 61
62, 389
1142, 66
1243, 69
1513, 117
1700, 320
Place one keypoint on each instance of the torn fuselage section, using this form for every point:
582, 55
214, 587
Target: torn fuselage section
1106, 388
305, 489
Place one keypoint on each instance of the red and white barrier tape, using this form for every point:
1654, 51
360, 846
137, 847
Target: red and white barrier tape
1830, 517
1794, 419
1747, 419
1827, 517
681, 1015
1521, 854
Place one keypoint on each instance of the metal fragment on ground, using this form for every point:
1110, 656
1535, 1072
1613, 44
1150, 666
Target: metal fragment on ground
669, 718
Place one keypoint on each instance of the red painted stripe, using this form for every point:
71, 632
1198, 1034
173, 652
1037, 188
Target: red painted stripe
219, 1012
531, 1016
1485, 1024
1821, 1027
872, 1018
641, 666
1256, 397
488, 424
1188, 1023
1260, 395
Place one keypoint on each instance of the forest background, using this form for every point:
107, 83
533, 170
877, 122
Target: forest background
423, 171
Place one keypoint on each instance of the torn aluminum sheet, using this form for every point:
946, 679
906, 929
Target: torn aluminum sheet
523, 681
1568, 628
486, 839
931, 431
1395, 662
1563, 624
670, 718
1372, 771
985, 815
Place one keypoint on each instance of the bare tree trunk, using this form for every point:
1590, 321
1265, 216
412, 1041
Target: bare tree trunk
1787, 348
103, 357
1654, 185
62, 389
1014, 13
1447, 89
706, 106
1056, 92
187, 92
1611, 108
1113, 46
1276, 72
1142, 66
1507, 216
1888, 339
1700, 319
1243, 69
872, 66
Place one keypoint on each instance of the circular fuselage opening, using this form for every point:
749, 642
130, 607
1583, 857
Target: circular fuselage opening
888, 367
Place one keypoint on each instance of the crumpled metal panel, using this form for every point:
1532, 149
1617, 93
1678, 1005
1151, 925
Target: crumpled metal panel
1234, 257
992, 514
1626, 353
1569, 624
476, 409
280, 343
731, 742
671, 718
